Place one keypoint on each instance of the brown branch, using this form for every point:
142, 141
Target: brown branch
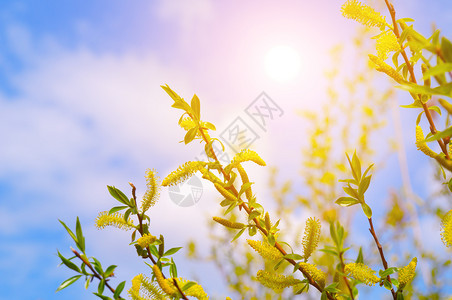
256, 221
382, 256
433, 130
140, 220
95, 274
341, 258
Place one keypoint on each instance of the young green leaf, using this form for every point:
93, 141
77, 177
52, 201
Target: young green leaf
68, 282
172, 251
346, 201
367, 210
188, 285
118, 195
69, 231
196, 107
293, 256
110, 270
119, 289
116, 209
68, 263
80, 239
238, 234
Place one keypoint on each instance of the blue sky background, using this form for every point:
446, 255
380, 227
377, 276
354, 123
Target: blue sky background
81, 107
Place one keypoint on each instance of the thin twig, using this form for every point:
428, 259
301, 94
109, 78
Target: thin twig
95, 274
140, 220
341, 258
256, 221
382, 256
413, 79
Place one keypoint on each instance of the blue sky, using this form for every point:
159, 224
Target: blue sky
81, 107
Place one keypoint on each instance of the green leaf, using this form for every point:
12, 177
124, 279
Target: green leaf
68, 263
367, 210
444, 90
356, 166
364, 185
446, 48
351, 191
210, 126
116, 209
329, 251
173, 269
252, 230
435, 108
386, 272
171, 93
244, 187
440, 135
400, 296
226, 202
346, 201
172, 251
253, 214
332, 288
127, 214
238, 234
387, 284
110, 270
80, 239
102, 296
196, 107
119, 289
293, 256
360, 258
68, 282
333, 233
278, 264
190, 135
271, 239
68, 231
154, 251
438, 70
97, 266
188, 285
418, 119
302, 289
324, 296
230, 208
101, 286
118, 195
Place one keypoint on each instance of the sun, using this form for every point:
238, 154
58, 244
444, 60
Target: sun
282, 63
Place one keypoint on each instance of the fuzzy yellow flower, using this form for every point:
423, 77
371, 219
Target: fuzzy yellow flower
275, 281
362, 273
163, 283
406, 274
152, 193
311, 237
421, 145
265, 250
381, 66
182, 173
363, 14
228, 223
318, 275
145, 240
446, 229
386, 42
105, 219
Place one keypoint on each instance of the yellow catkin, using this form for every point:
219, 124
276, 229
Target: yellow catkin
145, 240
406, 274
248, 155
363, 14
141, 285
362, 273
318, 275
195, 290
228, 223
446, 229
152, 193
421, 145
182, 173
163, 283
116, 220
381, 66
245, 179
311, 237
265, 250
386, 43
225, 193
275, 281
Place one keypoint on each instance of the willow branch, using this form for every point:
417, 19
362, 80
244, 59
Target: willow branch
140, 220
95, 274
433, 129
256, 221
382, 256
